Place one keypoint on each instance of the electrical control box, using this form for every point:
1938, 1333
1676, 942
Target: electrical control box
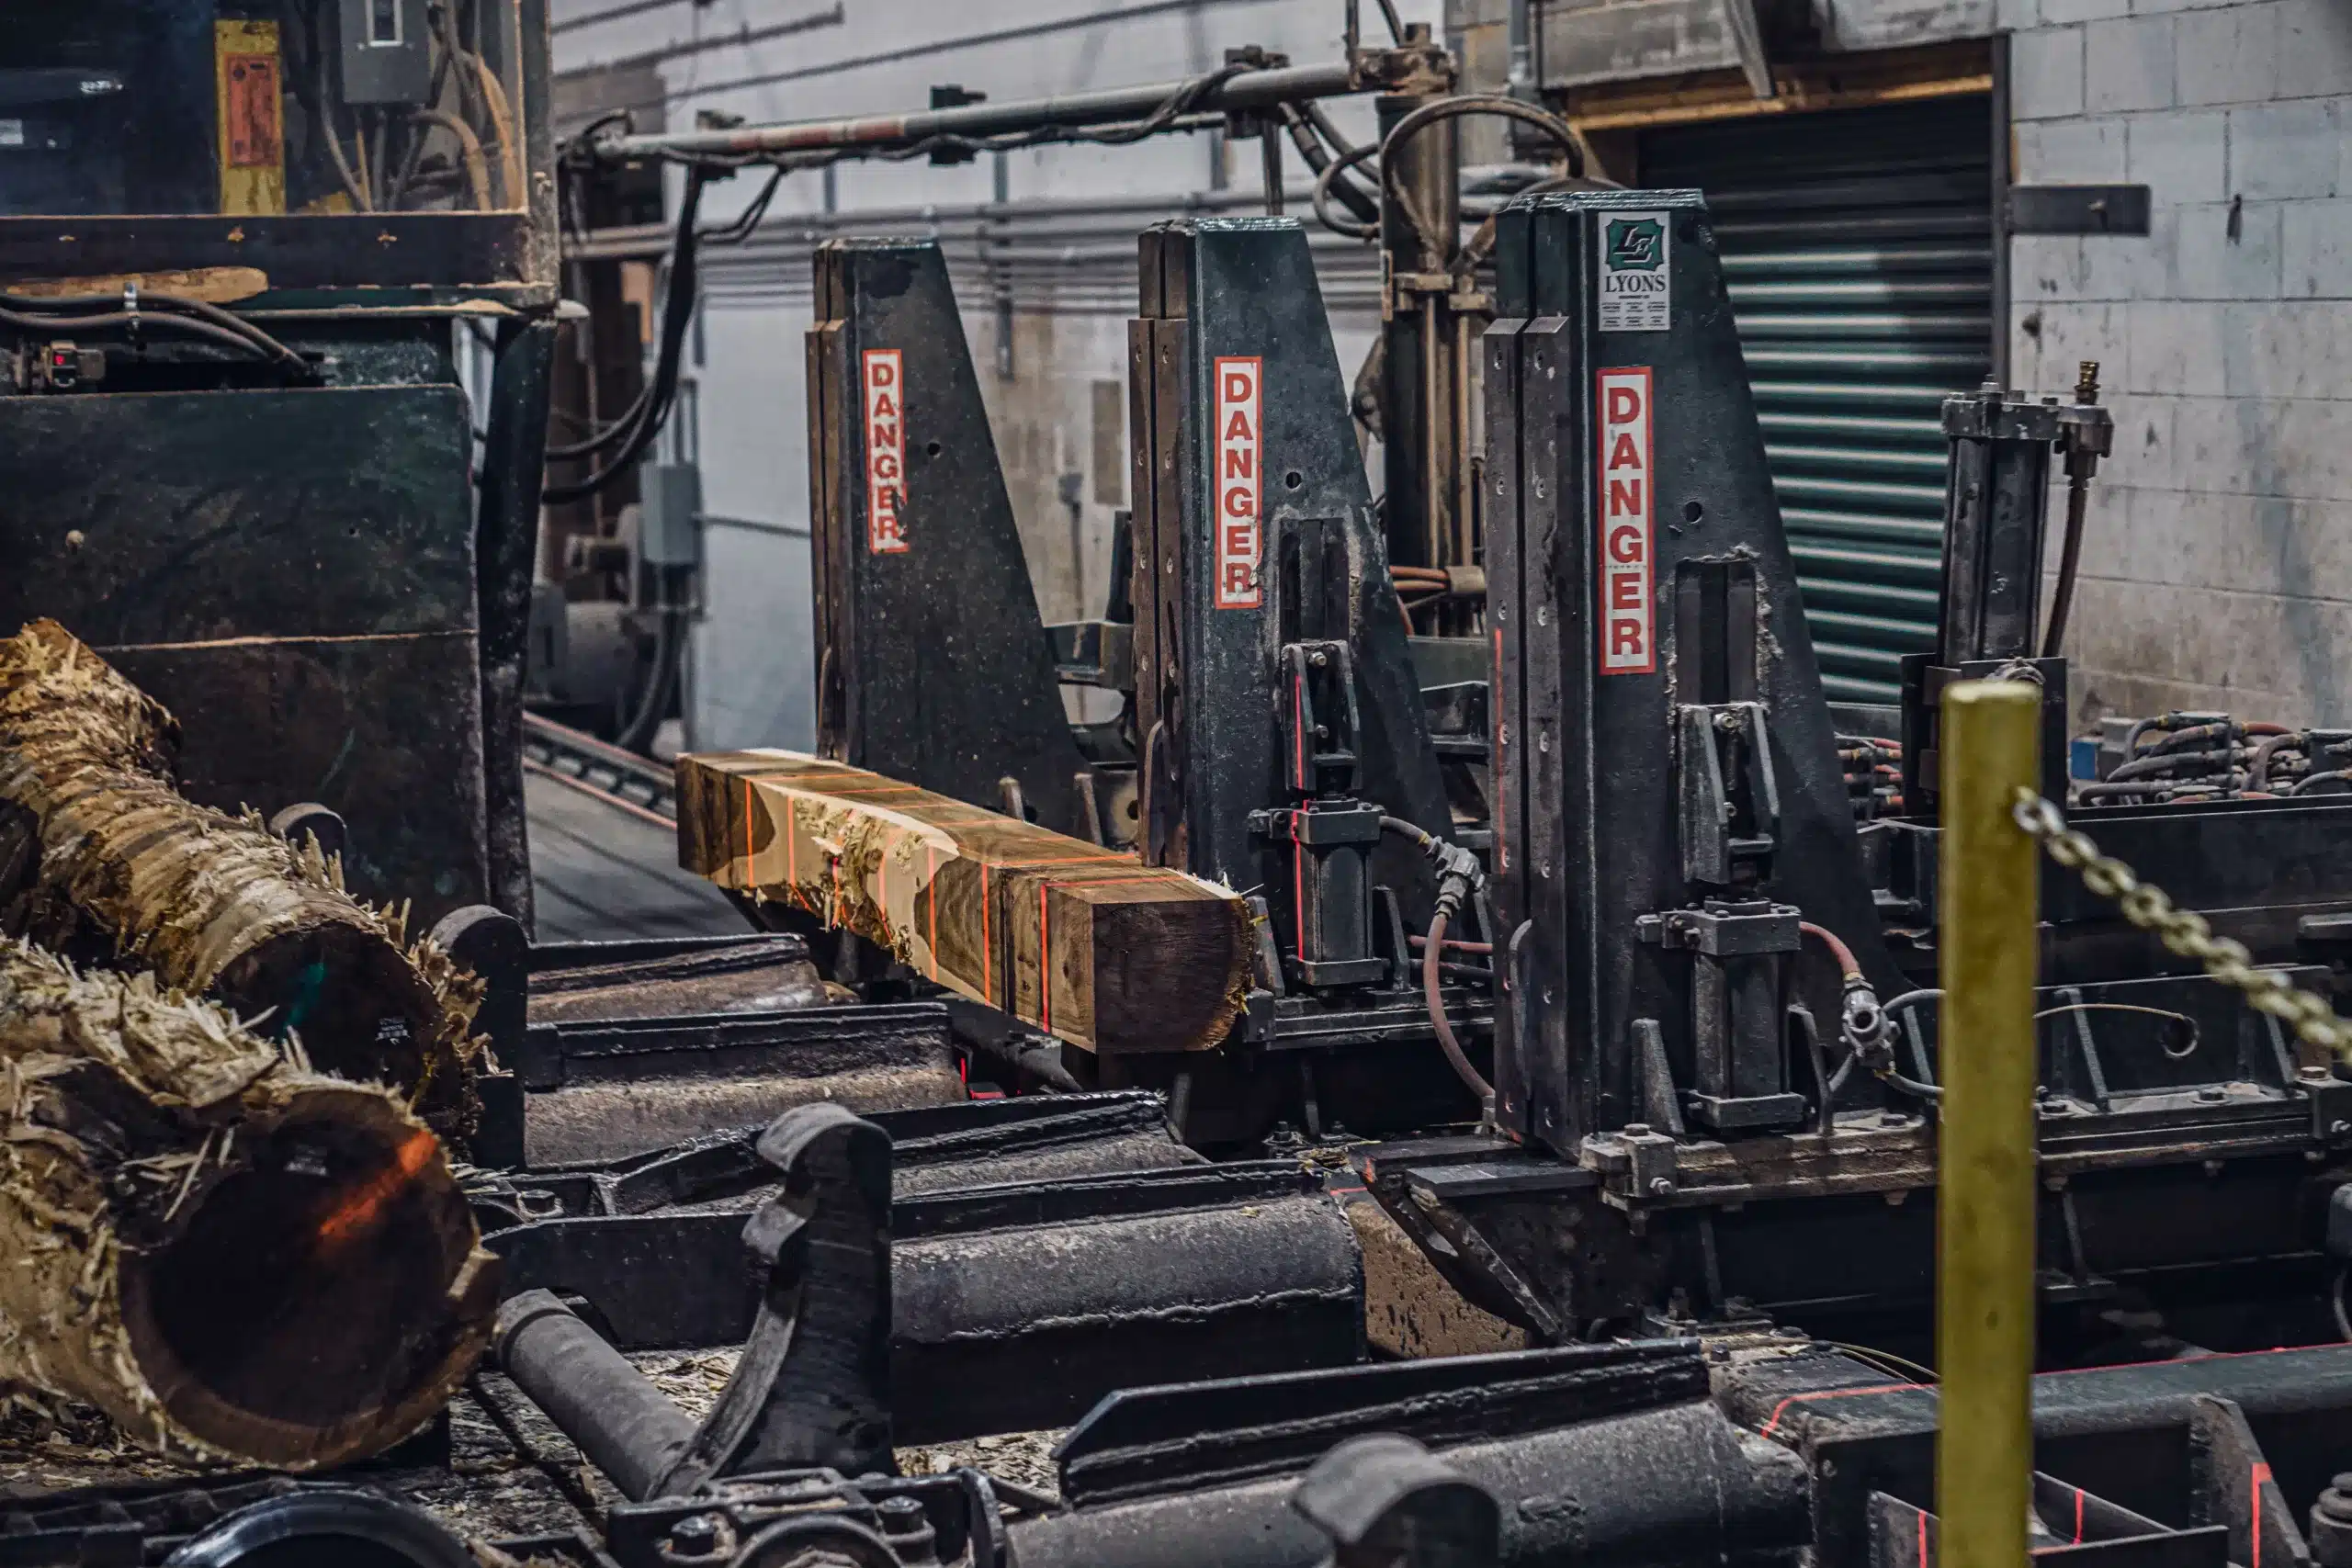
387, 52
671, 496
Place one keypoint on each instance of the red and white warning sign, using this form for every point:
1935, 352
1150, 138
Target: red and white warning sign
885, 452
1241, 455
1628, 532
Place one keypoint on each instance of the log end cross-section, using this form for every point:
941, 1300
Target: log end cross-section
1085, 942
232, 1257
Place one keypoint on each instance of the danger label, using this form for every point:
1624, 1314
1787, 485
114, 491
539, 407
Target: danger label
1240, 453
1628, 625
885, 453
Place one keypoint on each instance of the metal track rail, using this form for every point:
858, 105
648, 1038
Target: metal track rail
620, 778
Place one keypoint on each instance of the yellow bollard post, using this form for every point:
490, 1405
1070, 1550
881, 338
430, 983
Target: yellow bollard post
1984, 1201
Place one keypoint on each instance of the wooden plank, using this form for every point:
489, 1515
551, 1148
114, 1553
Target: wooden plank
1085, 942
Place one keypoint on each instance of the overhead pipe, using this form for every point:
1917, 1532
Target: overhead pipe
1246, 91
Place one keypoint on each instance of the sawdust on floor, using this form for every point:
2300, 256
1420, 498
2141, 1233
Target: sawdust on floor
692, 1380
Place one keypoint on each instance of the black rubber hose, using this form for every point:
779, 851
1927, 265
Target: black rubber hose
2173, 762
2070, 561
2257, 773
2191, 738
637, 734
637, 426
1824, 1114
118, 320
1354, 198
150, 306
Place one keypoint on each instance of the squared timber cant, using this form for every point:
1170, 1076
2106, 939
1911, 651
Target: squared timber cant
1087, 943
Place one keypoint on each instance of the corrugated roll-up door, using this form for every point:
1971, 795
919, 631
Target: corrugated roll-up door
1858, 245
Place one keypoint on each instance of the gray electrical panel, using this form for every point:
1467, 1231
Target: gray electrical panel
387, 52
672, 495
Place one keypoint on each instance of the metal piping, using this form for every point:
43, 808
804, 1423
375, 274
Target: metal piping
1520, 81
625, 1426
1249, 90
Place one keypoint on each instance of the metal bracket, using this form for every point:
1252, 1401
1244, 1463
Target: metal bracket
813, 1385
1710, 851
2078, 209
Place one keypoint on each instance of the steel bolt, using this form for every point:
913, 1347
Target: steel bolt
1660, 1187
1318, 659
697, 1535
2331, 1524
2211, 1092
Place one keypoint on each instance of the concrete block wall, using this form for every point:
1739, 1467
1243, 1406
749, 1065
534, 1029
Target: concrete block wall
2216, 572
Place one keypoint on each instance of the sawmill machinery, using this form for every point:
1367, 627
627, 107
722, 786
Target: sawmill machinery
1745, 1445
1716, 1062
280, 298
1358, 812
1711, 977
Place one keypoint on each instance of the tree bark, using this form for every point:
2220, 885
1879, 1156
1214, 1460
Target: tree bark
234, 1257
1085, 942
213, 904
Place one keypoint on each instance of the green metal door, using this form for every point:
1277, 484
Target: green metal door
1858, 245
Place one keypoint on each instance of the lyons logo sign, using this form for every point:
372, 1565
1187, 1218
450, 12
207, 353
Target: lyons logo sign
1636, 277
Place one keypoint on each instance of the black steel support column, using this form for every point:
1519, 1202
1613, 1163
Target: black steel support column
506, 543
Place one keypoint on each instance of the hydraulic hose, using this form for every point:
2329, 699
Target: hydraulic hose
1849, 968
1459, 875
638, 734
1455, 1057
193, 316
1861, 1021
2069, 562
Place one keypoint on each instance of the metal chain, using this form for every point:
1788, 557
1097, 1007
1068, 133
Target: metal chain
2183, 931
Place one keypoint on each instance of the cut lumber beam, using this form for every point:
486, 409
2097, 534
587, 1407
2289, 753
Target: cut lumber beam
234, 1257
1085, 942
95, 842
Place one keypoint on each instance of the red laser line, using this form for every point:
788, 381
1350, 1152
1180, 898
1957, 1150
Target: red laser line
1772, 1424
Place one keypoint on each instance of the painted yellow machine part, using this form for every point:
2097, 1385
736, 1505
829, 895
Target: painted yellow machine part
1984, 1212
249, 97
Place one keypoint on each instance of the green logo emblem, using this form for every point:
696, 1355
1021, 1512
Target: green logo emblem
1635, 244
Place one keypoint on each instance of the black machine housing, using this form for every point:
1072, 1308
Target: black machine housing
1693, 1124
323, 561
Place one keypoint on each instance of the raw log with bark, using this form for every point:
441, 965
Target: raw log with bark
105, 851
1085, 942
231, 1256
